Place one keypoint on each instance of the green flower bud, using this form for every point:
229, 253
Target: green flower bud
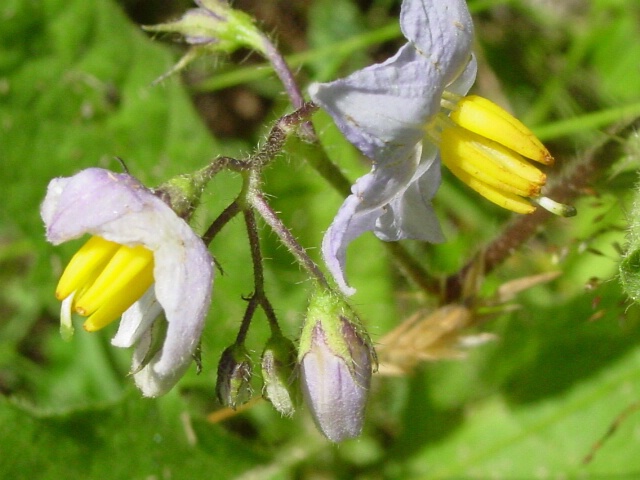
214, 27
279, 374
183, 192
233, 387
336, 361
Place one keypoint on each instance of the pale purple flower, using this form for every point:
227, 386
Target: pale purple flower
118, 208
385, 110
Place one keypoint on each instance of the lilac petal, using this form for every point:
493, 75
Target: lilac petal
102, 203
120, 209
350, 222
442, 31
378, 204
335, 396
385, 106
411, 215
148, 379
360, 210
388, 180
463, 83
184, 275
137, 319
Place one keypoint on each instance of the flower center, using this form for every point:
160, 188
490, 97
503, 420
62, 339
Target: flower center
103, 279
487, 148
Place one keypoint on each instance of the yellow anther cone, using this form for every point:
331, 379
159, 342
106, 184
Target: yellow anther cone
120, 301
488, 161
501, 198
85, 265
116, 280
487, 119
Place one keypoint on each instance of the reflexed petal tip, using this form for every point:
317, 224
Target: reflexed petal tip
118, 208
348, 224
392, 201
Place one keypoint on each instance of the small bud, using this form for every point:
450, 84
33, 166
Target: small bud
233, 386
213, 28
183, 192
336, 365
279, 374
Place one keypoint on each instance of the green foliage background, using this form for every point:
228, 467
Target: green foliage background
75, 91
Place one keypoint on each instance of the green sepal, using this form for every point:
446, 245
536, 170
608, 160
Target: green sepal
339, 322
279, 374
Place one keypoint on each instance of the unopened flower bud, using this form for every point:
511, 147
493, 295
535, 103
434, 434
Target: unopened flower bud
233, 386
336, 361
213, 28
279, 374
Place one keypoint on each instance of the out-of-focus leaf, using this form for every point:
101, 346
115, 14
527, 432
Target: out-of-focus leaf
131, 439
329, 22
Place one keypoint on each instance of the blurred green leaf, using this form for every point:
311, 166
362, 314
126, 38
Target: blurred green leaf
131, 439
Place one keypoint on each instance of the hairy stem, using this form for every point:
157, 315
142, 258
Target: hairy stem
278, 135
283, 71
260, 204
218, 224
258, 270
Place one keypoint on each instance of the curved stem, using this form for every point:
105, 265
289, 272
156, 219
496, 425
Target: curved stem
261, 206
258, 271
218, 224
246, 319
283, 71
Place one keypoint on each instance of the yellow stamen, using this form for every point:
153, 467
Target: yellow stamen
117, 280
488, 161
499, 197
115, 306
487, 148
487, 119
85, 265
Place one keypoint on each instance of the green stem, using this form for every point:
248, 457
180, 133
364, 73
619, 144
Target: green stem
219, 223
286, 237
258, 271
344, 48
